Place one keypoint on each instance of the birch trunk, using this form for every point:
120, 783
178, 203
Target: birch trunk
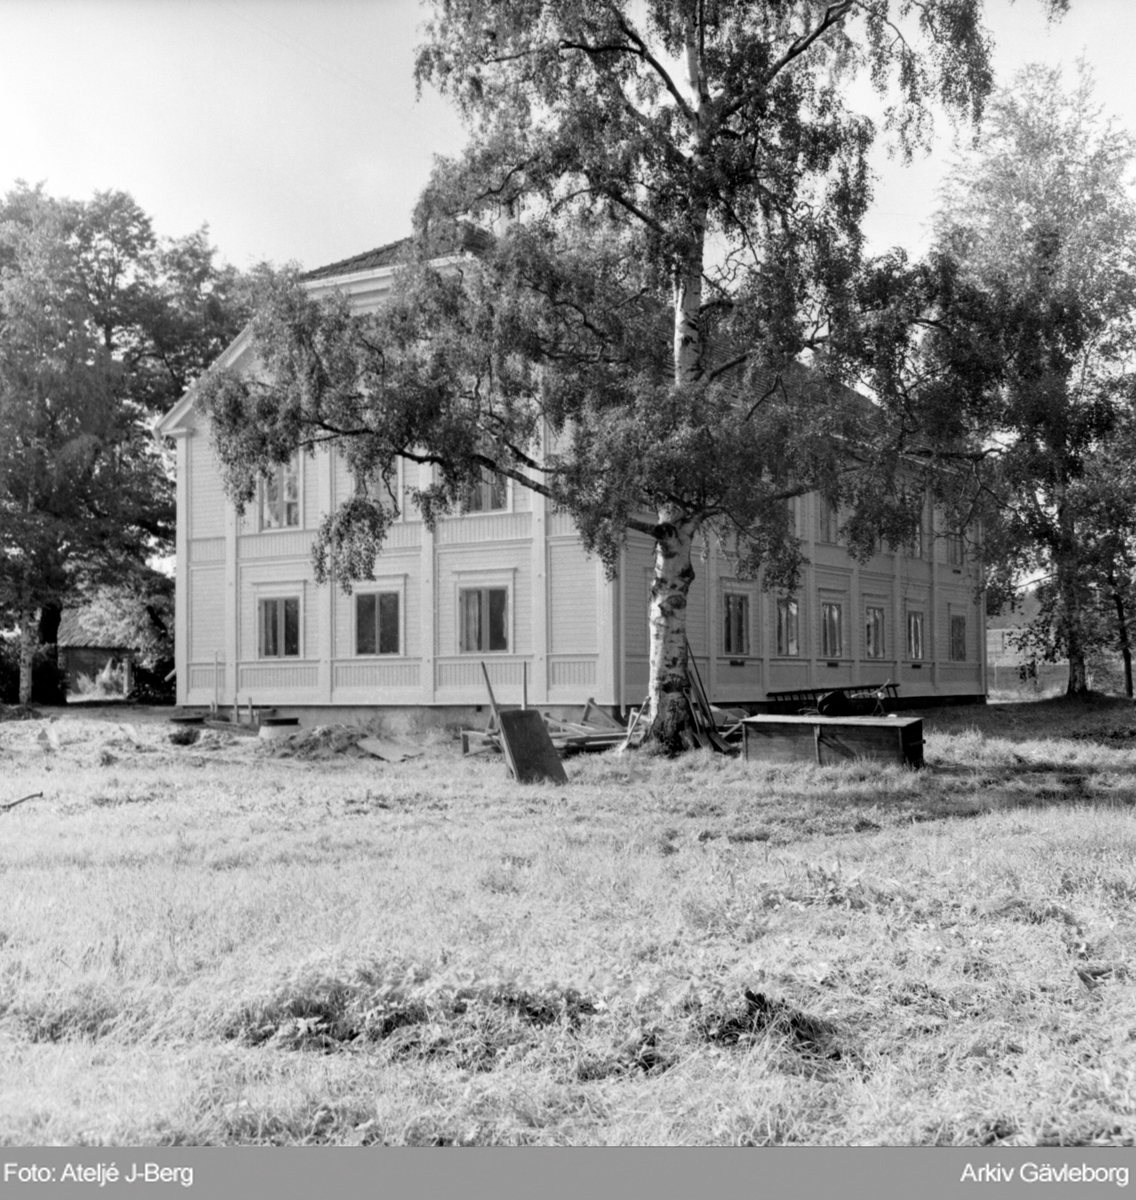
671, 729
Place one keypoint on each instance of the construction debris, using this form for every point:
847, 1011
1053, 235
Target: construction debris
387, 751
12, 803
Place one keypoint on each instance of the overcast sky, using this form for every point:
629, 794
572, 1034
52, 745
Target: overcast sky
292, 126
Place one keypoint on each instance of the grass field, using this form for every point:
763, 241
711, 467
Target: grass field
231, 943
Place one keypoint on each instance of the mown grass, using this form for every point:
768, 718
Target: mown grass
222, 943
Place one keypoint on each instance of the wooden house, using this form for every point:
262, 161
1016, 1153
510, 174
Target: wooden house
507, 583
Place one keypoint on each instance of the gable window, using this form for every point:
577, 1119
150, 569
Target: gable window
488, 495
483, 616
831, 630
378, 626
788, 627
915, 635
958, 639
873, 632
829, 521
279, 621
736, 628
280, 498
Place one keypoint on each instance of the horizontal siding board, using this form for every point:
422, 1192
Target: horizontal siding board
207, 495
573, 623
206, 612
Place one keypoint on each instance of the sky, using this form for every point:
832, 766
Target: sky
293, 128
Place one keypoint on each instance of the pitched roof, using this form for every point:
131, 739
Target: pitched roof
381, 256
74, 631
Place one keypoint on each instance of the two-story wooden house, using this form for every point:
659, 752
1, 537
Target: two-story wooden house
507, 583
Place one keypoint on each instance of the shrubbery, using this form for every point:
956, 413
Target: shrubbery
49, 683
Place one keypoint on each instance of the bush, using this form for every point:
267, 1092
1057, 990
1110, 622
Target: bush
49, 683
150, 686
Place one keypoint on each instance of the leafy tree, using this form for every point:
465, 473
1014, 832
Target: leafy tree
682, 187
101, 327
1040, 219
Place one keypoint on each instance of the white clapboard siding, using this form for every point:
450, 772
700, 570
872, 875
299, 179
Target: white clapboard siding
572, 600
208, 507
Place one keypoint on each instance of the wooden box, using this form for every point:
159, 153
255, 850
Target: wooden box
827, 740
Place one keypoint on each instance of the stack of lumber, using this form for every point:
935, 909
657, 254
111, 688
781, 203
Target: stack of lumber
595, 730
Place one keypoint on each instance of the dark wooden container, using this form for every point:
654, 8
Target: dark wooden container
827, 740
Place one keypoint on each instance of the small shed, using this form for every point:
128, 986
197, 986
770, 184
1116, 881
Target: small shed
84, 651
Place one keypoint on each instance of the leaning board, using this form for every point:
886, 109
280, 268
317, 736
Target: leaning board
827, 740
529, 749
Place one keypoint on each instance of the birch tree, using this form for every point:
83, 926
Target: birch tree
684, 185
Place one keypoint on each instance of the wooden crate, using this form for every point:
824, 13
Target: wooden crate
828, 740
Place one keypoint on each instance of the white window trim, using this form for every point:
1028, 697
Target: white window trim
735, 589
374, 587
801, 627
954, 610
907, 614
494, 512
260, 525
841, 599
501, 578
279, 592
880, 603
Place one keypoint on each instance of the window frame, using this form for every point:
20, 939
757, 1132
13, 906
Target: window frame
746, 628
916, 619
956, 550
295, 468
381, 493
956, 619
788, 630
282, 598
827, 608
875, 648
481, 581
828, 522
382, 586
488, 479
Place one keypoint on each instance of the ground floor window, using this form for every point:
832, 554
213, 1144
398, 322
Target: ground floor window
958, 639
831, 628
377, 623
483, 614
915, 635
280, 627
736, 631
874, 632
788, 627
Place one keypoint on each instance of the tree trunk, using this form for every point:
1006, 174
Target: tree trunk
671, 729
29, 631
1078, 683
1122, 633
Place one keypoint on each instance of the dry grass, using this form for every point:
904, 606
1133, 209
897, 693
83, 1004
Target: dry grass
223, 943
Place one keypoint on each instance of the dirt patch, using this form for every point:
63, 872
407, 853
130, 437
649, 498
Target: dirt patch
321, 742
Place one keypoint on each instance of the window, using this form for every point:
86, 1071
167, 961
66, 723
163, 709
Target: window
490, 495
915, 546
483, 613
954, 549
736, 639
829, 521
915, 635
280, 627
831, 631
788, 627
377, 625
280, 498
874, 632
958, 639
390, 495
791, 513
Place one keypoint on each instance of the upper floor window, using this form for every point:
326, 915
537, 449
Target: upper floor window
735, 639
280, 498
788, 627
828, 522
955, 553
490, 494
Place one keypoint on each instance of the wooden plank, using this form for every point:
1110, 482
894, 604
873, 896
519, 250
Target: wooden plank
497, 714
594, 715
528, 747
388, 751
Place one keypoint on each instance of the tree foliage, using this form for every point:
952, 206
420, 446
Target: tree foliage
1040, 218
101, 328
675, 193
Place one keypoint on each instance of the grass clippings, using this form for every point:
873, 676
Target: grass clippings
289, 942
